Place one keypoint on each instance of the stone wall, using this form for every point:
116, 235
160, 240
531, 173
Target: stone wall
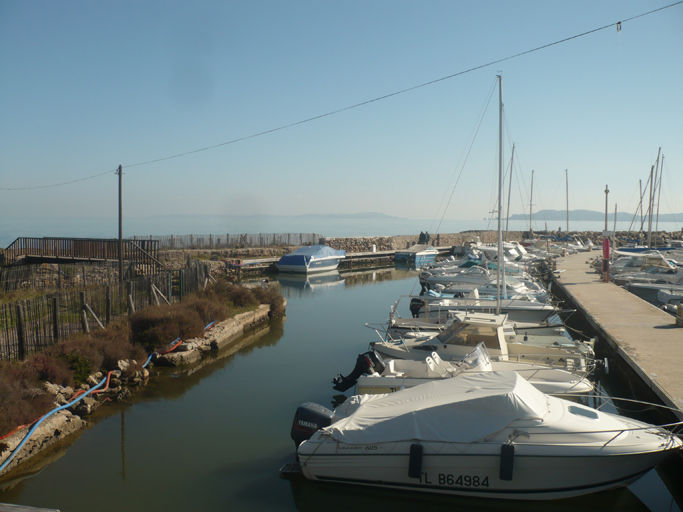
394, 243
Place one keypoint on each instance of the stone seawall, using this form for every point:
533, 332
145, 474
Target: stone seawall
397, 243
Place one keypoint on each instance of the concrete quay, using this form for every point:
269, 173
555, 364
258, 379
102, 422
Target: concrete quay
645, 337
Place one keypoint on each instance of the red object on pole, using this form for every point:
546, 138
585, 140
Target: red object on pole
605, 259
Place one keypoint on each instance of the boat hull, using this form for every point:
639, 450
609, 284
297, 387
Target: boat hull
321, 265
535, 476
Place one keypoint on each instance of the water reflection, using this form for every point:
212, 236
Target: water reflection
315, 283
311, 282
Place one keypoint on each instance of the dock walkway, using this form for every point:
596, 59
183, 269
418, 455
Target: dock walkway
646, 337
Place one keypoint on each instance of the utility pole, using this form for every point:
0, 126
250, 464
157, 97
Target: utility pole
119, 171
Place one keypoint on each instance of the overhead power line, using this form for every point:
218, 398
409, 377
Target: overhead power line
386, 96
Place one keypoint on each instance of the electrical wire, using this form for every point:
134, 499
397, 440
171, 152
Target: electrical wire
386, 96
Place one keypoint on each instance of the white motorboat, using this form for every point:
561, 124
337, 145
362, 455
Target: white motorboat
417, 255
488, 435
401, 373
544, 334
468, 330
308, 259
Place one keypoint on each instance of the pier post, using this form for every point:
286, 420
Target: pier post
84, 315
108, 305
21, 332
55, 319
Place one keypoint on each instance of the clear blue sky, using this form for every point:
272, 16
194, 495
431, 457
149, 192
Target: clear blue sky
86, 86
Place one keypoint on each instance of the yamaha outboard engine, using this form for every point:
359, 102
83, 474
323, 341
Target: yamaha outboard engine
309, 418
415, 306
366, 363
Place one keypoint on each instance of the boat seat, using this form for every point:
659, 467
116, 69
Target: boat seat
436, 369
449, 367
391, 370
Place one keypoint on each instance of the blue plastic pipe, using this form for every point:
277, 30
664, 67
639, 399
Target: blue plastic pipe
33, 429
53, 411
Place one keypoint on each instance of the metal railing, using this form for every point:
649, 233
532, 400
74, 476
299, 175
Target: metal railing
143, 252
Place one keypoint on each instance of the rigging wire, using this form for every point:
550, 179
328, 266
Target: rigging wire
472, 136
386, 96
466, 158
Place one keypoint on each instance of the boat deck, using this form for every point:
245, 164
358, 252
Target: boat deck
646, 337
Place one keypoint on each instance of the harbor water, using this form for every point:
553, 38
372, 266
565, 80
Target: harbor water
212, 438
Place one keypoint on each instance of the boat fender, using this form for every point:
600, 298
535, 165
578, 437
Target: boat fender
507, 459
308, 419
415, 461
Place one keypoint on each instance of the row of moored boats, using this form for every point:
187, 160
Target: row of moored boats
477, 391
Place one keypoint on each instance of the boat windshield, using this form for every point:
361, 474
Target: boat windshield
477, 359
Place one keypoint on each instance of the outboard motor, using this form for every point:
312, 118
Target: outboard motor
309, 418
366, 364
415, 306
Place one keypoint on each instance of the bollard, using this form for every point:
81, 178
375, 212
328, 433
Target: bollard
679, 315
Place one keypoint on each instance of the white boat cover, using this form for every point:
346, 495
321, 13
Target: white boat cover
461, 410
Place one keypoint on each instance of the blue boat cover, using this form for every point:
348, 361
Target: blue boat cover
304, 255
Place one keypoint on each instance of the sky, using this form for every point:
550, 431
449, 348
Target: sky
88, 86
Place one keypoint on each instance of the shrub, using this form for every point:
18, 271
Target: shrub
207, 309
114, 344
155, 327
80, 366
272, 297
48, 368
80, 354
229, 294
21, 398
241, 296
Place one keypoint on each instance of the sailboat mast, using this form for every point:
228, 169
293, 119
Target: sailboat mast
640, 183
659, 195
566, 175
500, 272
650, 205
507, 217
531, 198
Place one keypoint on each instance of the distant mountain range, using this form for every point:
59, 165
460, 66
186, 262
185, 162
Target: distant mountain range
589, 215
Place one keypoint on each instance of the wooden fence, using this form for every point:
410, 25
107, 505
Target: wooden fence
29, 326
70, 275
233, 241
